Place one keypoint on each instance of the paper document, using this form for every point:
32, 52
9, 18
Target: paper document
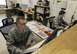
34, 48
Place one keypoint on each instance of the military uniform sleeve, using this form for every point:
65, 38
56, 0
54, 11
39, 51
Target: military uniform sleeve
31, 40
64, 23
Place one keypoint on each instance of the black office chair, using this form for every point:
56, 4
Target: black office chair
51, 19
21, 13
6, 29
75, 22
18, 5
7, 21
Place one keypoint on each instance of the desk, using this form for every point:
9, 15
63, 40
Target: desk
3, 48
34, 26
8, 12
25, 11
39, 29
66, 43
30, 13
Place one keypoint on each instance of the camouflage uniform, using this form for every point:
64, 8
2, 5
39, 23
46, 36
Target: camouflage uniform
59, 23
17, 39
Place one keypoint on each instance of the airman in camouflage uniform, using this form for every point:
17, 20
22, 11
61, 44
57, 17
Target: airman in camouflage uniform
20, 37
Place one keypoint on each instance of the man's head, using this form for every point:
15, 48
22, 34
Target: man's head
62, 13
21, 22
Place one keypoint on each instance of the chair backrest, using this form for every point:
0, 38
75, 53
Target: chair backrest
75, 22
7, 21
6, 29
18, 5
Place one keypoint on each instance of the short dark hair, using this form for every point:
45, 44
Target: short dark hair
19, 17
62, 12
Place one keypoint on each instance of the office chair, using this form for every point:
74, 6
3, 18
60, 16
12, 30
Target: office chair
75, 22
6, 29
7, 21
51, 20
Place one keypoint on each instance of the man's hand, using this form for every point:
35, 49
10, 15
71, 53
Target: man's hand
18, 51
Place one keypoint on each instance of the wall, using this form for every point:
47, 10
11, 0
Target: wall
71, 10
28, 2
55, 7
70, 5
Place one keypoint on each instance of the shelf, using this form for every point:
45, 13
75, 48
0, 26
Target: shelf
42, 11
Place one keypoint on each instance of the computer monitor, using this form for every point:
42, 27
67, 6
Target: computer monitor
51, 37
